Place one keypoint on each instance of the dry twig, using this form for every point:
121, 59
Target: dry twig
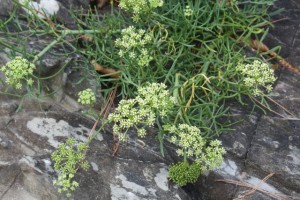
113, 73
261, 104
263, 48
280, 106
258, 188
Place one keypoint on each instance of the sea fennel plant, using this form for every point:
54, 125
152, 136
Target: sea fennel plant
191, 47
152, 103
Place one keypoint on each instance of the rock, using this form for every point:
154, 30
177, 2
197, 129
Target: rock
58, 8
137, 172
26, 183
75, 4
126, 178
275, 149
232, 180
237, 142
288, 95
43, 8
4, 144
285, 32
78, 80
5, 8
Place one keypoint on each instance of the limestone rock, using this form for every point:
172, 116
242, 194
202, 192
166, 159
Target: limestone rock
137, 172
275, 149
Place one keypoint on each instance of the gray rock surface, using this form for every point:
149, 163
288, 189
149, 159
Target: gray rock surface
275, 149
138, 172
5, 8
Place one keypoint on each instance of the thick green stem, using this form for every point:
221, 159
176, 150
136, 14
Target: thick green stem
184, 157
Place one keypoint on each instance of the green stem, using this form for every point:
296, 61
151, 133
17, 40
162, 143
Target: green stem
11, 94
184, 157
176, 94
160, 138
55, 74
174, 64
39, 55
75, 32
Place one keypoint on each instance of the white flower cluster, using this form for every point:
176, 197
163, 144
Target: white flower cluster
213, 155
87, 97
138, 7
193, 145
157, 97
151, 102
257, 76
188, 11
132, 44
18, 70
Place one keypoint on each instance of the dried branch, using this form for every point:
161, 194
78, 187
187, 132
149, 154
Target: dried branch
113, 73
263, 48
255, 188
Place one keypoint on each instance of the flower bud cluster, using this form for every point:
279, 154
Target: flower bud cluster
18, 70
183, 173
132, 45
139, 7
193, 145
151, 102
258, 77
87, 97
188, 11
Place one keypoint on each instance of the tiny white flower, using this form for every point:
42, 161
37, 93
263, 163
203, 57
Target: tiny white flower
258, 76
87, 97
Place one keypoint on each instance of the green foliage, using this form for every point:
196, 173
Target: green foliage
195, 48
68, 158
183, 173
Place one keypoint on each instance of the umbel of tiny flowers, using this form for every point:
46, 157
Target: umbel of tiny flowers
140, 7
87, 97
17, 71
157, 97
151, 102
206, 156
258, 77
132, 44
192, 145
68, 158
